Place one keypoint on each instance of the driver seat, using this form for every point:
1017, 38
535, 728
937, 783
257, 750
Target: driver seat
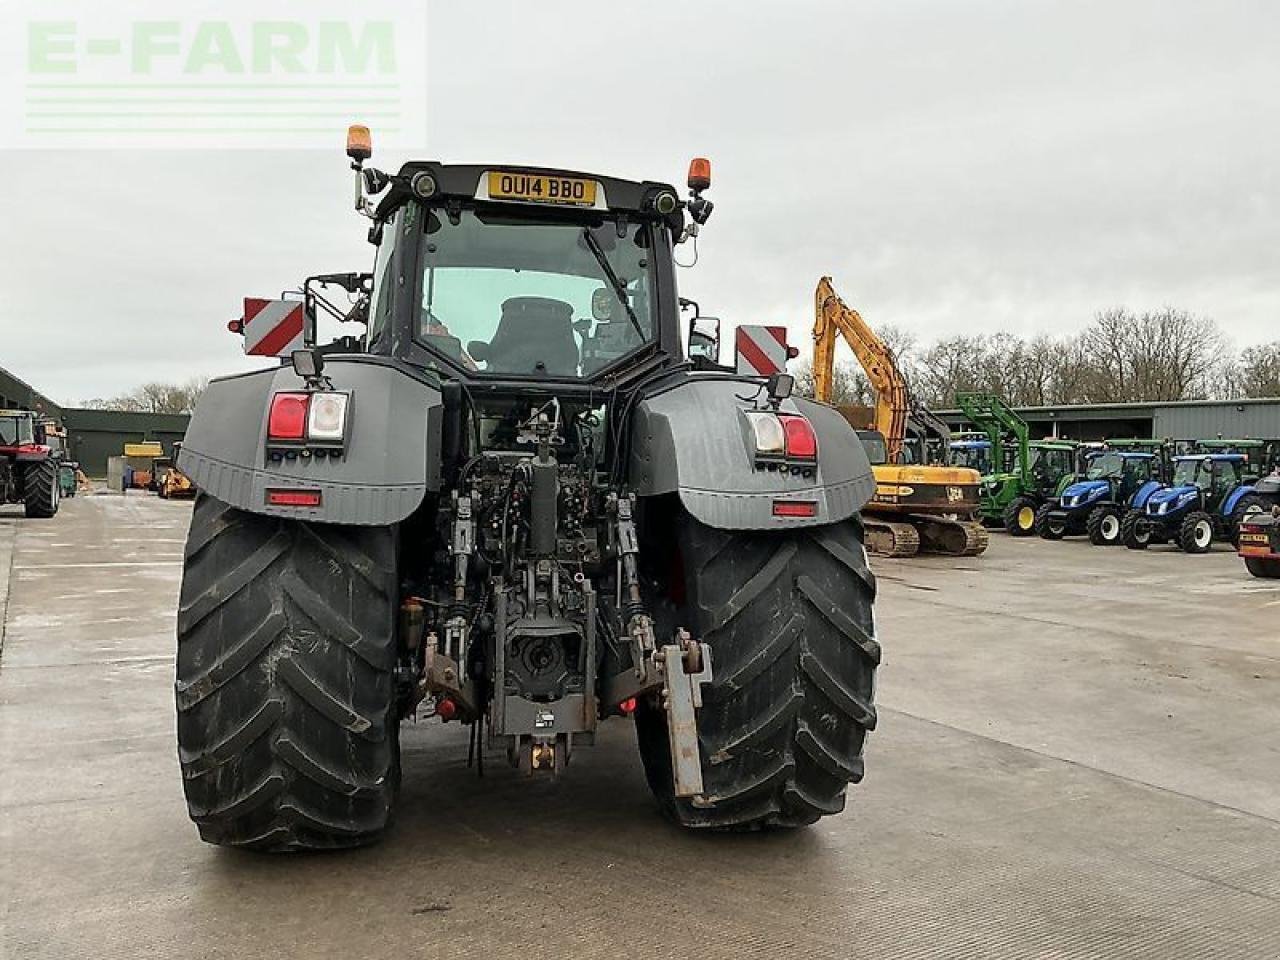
532, 331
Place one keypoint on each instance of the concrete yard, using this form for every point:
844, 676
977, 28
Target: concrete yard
1077, 757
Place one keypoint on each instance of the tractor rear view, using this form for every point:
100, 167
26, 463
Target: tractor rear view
28, 468
513, 505
922, 503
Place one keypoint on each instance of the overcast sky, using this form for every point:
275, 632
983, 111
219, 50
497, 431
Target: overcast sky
957, 166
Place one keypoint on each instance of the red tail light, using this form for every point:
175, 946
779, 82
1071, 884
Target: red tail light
293, 498
802, 442
795, 508
288, 419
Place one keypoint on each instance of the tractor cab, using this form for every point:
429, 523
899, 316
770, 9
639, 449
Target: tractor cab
499, 273
1253, 452
1052, 464
972, 453
17, 429
1213, 476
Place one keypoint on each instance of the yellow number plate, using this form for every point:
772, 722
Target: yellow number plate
1249, 550
537, 188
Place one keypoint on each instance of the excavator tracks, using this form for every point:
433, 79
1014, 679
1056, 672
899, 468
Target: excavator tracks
924, 534
951, 537
889, 538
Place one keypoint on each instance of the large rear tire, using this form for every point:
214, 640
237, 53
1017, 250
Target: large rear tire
40, 491
788, 618
1020, 517
287, 734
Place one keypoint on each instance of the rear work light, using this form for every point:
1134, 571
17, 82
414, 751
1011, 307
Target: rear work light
319, 417
786, 435
328, 417
293, 498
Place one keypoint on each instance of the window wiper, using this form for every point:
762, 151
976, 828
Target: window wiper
618, 287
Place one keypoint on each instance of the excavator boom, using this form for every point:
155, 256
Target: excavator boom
832, 319
916, 506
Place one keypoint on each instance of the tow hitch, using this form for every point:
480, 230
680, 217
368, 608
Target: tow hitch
685, 667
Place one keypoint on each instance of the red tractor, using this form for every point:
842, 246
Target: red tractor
28, 469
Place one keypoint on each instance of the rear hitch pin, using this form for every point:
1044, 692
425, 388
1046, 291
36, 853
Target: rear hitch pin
686, 666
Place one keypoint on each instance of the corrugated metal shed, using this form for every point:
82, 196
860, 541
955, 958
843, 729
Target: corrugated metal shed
1259, 419
1189, 420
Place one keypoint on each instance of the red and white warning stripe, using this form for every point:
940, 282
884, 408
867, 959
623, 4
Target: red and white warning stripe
761, 351
272, 328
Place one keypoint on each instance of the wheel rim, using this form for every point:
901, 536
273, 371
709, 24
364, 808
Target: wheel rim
1204, 533
1026, 518
1110, 527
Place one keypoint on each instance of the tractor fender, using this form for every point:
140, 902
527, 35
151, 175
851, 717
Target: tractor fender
691, 438
1143, 494
1233, 498
391, 457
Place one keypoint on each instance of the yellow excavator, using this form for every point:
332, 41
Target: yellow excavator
921, 504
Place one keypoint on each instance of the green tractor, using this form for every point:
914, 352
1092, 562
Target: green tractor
1025, 474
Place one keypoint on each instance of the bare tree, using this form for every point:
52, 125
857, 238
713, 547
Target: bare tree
1121, 357
1257, 372
156, 397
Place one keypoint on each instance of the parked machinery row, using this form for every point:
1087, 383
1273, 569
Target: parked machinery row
1138, 492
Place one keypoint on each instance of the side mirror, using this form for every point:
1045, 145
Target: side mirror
704, 339
478, 350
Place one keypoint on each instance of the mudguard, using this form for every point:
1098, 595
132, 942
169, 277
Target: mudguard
689, 439
1143, 494
1229, 504
392, 454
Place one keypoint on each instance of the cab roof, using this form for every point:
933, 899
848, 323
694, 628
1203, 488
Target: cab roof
1223, 457
465, 182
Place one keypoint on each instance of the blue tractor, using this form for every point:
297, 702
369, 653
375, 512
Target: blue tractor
1206, 500
972, 451
1114, 481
